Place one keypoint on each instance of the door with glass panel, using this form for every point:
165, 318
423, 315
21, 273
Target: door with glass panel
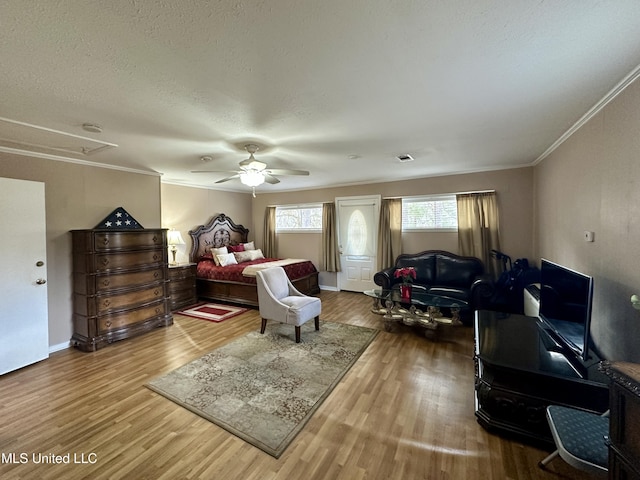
358, 219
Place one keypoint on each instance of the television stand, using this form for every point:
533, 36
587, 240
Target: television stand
521, 369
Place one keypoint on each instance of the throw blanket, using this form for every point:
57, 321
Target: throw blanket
250, 271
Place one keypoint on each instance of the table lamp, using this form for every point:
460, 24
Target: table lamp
173, 239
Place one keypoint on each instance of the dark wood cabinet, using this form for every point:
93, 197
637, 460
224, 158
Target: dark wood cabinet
624, 420
120, 285
182, 286
521, 369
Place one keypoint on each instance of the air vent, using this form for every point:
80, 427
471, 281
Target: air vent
405, 157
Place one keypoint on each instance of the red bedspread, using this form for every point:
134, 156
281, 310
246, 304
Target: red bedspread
208, 270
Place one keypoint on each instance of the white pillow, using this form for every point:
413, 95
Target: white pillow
218, 251
256, 254
226, 259
249, 246
243, 256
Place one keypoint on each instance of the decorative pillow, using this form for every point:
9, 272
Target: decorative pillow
218, 251
226, 259
243, 256
256, 254
248, 246
236, 248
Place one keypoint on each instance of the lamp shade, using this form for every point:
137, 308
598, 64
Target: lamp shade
174, 237
252, 178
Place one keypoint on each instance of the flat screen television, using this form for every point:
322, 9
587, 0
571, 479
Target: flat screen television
565, 305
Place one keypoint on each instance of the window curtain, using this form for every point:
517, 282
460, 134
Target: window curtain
330, 259
390, 232
270, 243
479, 228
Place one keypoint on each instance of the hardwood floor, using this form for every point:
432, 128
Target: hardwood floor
404, 411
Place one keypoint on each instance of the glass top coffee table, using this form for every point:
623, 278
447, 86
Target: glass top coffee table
421, 308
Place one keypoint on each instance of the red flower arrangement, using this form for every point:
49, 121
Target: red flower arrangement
408, 274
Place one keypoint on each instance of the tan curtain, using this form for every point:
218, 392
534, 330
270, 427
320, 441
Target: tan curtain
330, 259
479, 228
270, 243
389, 232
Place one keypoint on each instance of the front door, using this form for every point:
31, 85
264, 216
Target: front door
24, 326
358, 219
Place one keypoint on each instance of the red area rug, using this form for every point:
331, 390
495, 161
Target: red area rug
213, 312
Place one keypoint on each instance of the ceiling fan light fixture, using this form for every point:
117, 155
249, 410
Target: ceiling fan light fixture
252, 178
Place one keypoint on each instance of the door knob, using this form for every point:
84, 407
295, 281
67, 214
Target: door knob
41, 281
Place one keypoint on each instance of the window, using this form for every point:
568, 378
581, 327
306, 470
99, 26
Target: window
299, 218
430, 213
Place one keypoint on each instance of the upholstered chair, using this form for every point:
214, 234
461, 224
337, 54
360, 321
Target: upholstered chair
581, 438
279, 300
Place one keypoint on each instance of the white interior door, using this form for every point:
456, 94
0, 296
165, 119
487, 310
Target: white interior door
24, 325
358, 219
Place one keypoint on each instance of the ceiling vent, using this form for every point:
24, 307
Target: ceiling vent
405, 157
36, 139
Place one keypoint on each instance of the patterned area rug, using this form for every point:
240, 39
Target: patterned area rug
264, 388
213, 312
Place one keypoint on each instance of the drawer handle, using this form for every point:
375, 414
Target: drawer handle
156, 292
106, 282
155, 239
108, 323
105, 241
156, 274
155, 256
106, 303
158, 310
105, 262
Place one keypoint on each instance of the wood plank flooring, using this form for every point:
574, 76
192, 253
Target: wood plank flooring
404, 411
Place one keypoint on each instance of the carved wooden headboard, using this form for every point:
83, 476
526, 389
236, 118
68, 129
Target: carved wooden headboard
218, 232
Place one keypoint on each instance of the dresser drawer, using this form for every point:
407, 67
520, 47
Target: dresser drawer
107, 262
100, 304
182, 284
182, 272
116, 321
92, 284
127, 240
181, 296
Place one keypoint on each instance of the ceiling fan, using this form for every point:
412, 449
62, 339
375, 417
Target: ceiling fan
253, 172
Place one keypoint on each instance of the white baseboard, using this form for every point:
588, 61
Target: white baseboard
328, 288
58, 347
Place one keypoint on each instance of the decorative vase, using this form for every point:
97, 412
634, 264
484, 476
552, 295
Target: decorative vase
405, 291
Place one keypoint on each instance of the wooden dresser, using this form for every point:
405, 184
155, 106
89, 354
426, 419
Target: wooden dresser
120, 284
182, 285
624, 429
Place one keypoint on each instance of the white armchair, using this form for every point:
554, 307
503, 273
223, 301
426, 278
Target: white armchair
279, 300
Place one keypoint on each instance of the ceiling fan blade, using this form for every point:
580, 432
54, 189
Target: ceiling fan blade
270, 179
228, 178
281, 171
214, 171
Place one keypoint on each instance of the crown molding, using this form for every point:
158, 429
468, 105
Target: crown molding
613, 93
59, 158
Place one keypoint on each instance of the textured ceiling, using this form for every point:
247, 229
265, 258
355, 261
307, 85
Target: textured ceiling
339, 88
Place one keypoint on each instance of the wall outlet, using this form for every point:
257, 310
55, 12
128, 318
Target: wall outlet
588, 236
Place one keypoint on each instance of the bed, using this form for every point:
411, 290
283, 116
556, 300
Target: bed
236, 283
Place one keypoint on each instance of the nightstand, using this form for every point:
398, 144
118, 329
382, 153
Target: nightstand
182, 285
